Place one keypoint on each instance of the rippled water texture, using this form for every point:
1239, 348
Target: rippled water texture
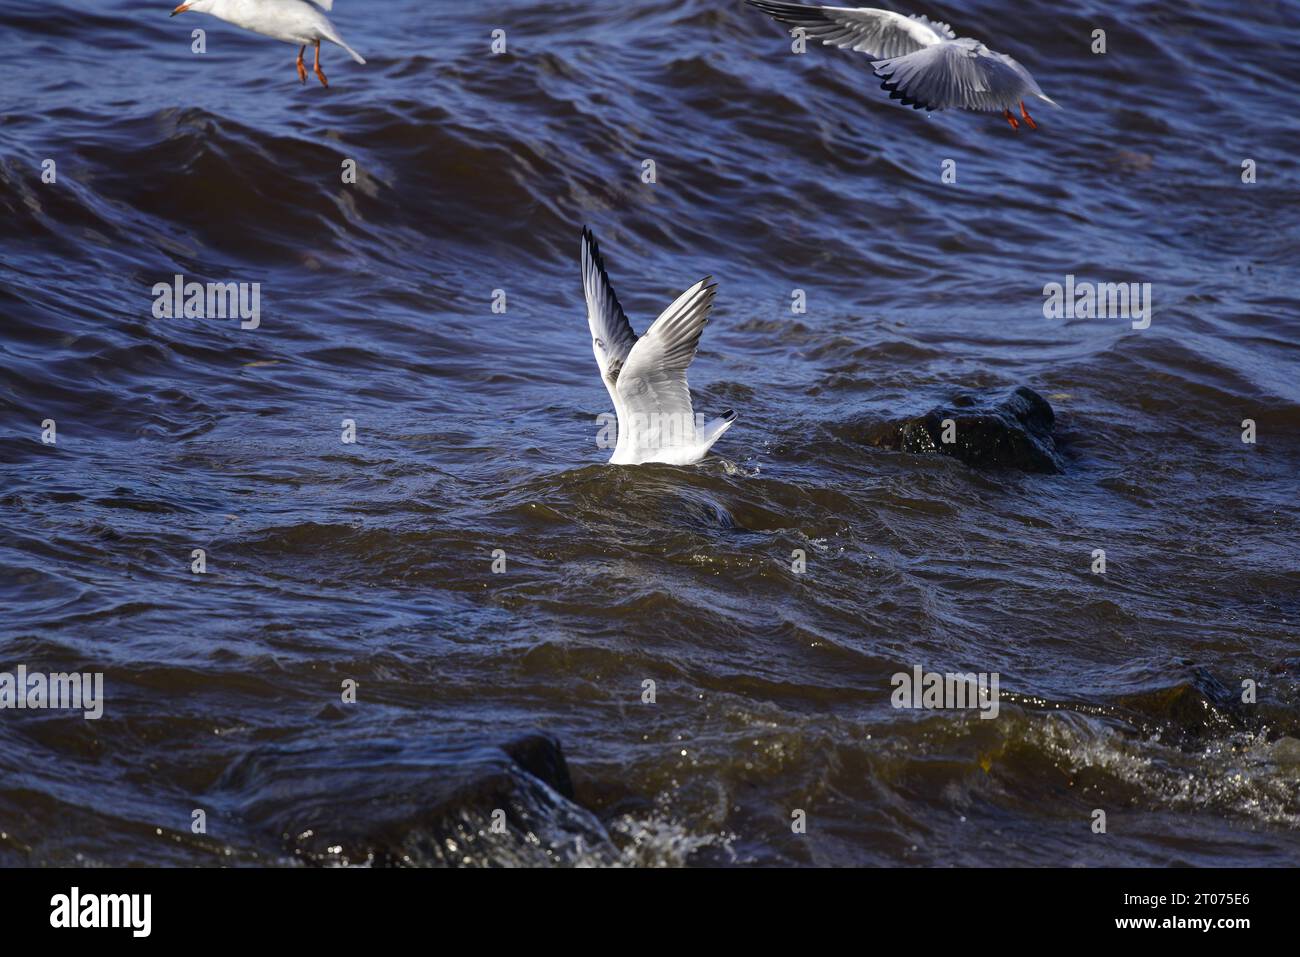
476, 431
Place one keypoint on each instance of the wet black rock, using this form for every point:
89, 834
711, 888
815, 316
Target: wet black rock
540, 755
1013, 431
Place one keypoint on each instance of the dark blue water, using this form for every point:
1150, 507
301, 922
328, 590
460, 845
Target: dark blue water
476, 431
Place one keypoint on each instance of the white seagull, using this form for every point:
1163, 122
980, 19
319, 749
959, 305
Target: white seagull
646, 377
920, 61
293, 21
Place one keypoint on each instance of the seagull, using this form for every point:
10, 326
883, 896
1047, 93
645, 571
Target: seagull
646, 377
919, 61
293, 21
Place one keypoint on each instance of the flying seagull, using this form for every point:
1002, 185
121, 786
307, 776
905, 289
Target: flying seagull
646, 377
293, 21
919, 61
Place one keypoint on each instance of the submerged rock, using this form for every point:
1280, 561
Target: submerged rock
410, 803
1195, 706
1014, 431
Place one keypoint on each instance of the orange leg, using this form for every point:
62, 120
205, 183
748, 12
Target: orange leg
320, 74
1015, 124
302, 67
1028, 119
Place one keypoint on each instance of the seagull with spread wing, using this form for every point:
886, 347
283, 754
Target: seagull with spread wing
293, 21
646, 377
919, 61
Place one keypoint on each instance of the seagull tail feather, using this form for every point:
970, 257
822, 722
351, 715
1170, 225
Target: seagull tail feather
355, 55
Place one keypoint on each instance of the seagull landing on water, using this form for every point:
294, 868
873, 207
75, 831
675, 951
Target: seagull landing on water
293, 21
920, 61
646, 377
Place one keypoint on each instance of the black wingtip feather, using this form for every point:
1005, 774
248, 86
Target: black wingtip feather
590, 244
906, 100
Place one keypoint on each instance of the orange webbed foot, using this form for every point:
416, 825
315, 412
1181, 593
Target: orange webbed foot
1028, 119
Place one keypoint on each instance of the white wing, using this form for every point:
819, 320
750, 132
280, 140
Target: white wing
1024, 75
612, 337
879, 33
654, 401
324, 4
957, 73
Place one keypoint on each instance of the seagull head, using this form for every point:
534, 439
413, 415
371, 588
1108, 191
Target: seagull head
198, 6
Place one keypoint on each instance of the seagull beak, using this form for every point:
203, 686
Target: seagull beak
181, 9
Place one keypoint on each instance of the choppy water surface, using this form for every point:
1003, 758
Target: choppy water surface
477, 431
